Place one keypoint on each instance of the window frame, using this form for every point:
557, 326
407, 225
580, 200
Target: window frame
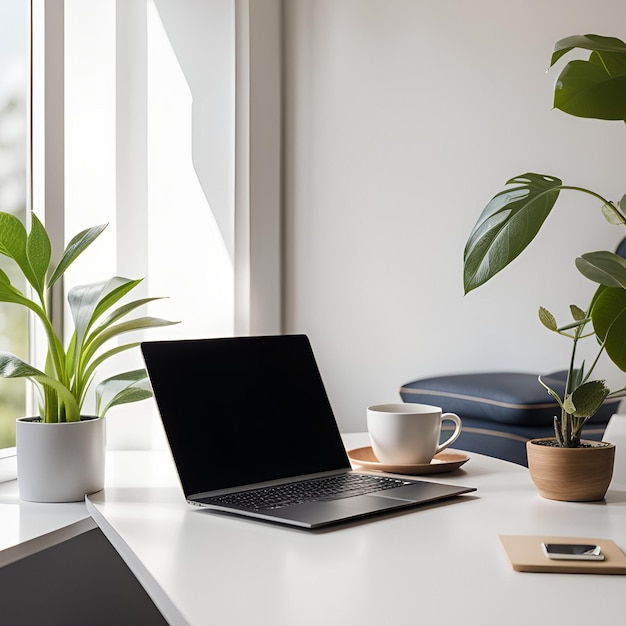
8, 459
258, 161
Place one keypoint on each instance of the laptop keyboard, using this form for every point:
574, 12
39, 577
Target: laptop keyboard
316, 489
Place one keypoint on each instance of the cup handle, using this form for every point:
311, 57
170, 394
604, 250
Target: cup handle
453, 417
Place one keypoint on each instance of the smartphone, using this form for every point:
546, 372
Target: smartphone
573, 551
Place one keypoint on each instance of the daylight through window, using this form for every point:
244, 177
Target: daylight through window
14, 80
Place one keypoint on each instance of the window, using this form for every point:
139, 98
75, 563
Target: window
150, 116
149, 92
14, 81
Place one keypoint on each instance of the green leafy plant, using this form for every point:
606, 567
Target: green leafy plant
69, 371
591, 88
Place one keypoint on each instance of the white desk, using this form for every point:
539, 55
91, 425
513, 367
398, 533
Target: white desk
436, 565
27, 527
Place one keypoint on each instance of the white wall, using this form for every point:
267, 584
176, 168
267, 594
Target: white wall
404, 118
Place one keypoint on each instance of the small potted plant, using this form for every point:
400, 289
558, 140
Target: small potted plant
592, 88
60, 452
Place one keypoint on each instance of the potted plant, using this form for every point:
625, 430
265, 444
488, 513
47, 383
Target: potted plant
591, 88
48, 445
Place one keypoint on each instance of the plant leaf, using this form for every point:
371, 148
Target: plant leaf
125, 285
122, 311
611, 214
507, 225
588, 398
132, 393
595, 88
12, 366
608, 313
586, 89
604, 267
89, 372
125, 388
551, 391
13, 244
12, 293
89, 302
39, 252
8, 293
547, 319
573, 325
74, 248
568, 405
587, 42
139, 323
86, 303
577, 313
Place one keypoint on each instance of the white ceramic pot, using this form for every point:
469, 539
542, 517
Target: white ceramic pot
59, 462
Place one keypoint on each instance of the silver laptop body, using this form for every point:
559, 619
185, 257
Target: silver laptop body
245, 414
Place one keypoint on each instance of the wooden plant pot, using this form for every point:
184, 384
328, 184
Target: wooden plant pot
571, 474
59, 462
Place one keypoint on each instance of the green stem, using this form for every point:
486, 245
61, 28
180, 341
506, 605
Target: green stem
599, 197
567, 436
53, 412
55, 349
595, 362
570, 370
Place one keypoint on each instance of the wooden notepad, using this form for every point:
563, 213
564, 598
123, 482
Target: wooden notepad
526, 555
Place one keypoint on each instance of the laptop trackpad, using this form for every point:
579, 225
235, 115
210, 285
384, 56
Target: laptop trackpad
422, 492
319, 513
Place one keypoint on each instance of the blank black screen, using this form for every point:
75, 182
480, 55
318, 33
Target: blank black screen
242, 410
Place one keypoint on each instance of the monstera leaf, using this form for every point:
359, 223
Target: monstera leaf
507, 225
595, 88
603, 267
592, 88
608, 314
608, 307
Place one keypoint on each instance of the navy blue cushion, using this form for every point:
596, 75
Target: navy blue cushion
506, 398
506, 442
500, 410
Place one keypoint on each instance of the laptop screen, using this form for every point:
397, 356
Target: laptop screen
243, 410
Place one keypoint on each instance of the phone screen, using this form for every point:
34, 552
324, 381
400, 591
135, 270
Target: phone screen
582, 551
570, 548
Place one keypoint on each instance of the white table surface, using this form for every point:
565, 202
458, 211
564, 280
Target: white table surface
27, 527
440, 564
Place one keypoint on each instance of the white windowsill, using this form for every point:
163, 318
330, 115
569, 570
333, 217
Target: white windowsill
8, 464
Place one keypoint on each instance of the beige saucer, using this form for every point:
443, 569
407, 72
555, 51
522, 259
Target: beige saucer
446, 461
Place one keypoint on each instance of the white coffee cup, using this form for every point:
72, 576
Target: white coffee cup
408, 434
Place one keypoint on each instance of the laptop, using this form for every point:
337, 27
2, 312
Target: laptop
252, 433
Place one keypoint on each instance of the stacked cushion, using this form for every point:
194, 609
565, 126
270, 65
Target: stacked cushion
501, 410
